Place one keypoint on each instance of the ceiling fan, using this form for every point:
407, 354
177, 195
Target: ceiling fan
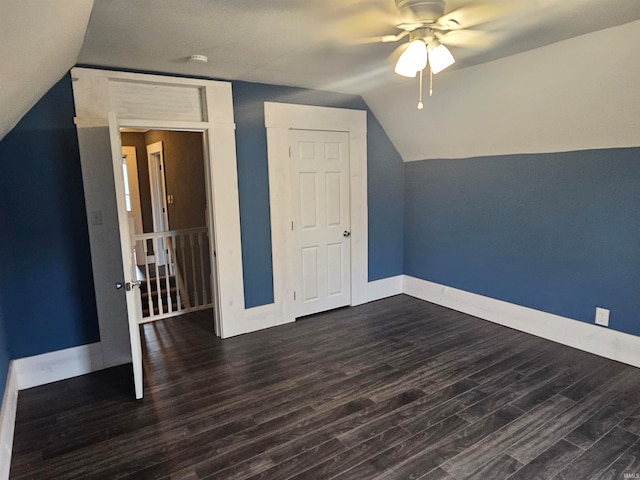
430, 30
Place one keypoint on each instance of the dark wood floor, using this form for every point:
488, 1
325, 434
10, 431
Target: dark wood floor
398, 388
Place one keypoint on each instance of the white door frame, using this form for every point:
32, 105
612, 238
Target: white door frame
166, 103
158, 191
279, 119
133, 299
158, 186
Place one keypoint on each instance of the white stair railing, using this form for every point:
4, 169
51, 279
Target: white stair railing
183, 283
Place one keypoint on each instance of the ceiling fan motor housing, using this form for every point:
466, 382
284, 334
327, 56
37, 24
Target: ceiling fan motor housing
425, 11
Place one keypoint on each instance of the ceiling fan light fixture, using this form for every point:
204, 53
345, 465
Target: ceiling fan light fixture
439, 57
413, 59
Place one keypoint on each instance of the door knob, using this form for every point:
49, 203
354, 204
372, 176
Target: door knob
345, 234
127, 286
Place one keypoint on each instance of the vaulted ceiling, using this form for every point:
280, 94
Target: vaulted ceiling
39, 42
311, 43
304, 43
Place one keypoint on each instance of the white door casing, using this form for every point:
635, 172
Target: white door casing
158, 187
280, 118
135, 215
143, 101
321, 220
157, 183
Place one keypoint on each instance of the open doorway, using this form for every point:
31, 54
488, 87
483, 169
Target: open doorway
170, 241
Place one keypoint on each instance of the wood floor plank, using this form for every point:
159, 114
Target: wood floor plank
457, 404
335, 429
355, 455
385, 422
435, 474
627, 466
499, 468
619, 407
404, 450
477, 455
549, 462
547, 390
533, 445
596, 459
530, 348
592, 381
520, 387
397, 388
632, 422
283, 470
235, 453
414, 464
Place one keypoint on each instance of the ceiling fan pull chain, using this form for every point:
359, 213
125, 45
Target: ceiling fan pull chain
430, 82
420, 105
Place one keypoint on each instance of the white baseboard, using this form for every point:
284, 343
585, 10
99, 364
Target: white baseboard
8, 421
60, 365
386, 287
266, 316
594, 339
255, 318
39, 370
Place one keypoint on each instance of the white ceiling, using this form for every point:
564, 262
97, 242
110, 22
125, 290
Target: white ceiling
578, 94
311, 43
304, 43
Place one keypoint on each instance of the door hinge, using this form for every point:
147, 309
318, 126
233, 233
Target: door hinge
289, 152
294, 296
291, 225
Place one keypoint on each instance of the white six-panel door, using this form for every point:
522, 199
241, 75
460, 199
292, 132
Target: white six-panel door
321, 220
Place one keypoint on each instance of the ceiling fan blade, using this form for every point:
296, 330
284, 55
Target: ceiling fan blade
477, 39
382, 39
355, 21
472, 15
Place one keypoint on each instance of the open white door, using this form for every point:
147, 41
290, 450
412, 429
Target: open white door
128, 264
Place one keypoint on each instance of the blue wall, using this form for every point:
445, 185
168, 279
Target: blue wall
4, 345
385, 186
47, 286
4, 354
555, 232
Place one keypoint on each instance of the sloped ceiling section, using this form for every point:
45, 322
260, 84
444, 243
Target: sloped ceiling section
320, 44
39, 43
577, 94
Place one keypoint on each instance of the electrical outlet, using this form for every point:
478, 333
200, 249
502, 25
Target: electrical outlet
602, 316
